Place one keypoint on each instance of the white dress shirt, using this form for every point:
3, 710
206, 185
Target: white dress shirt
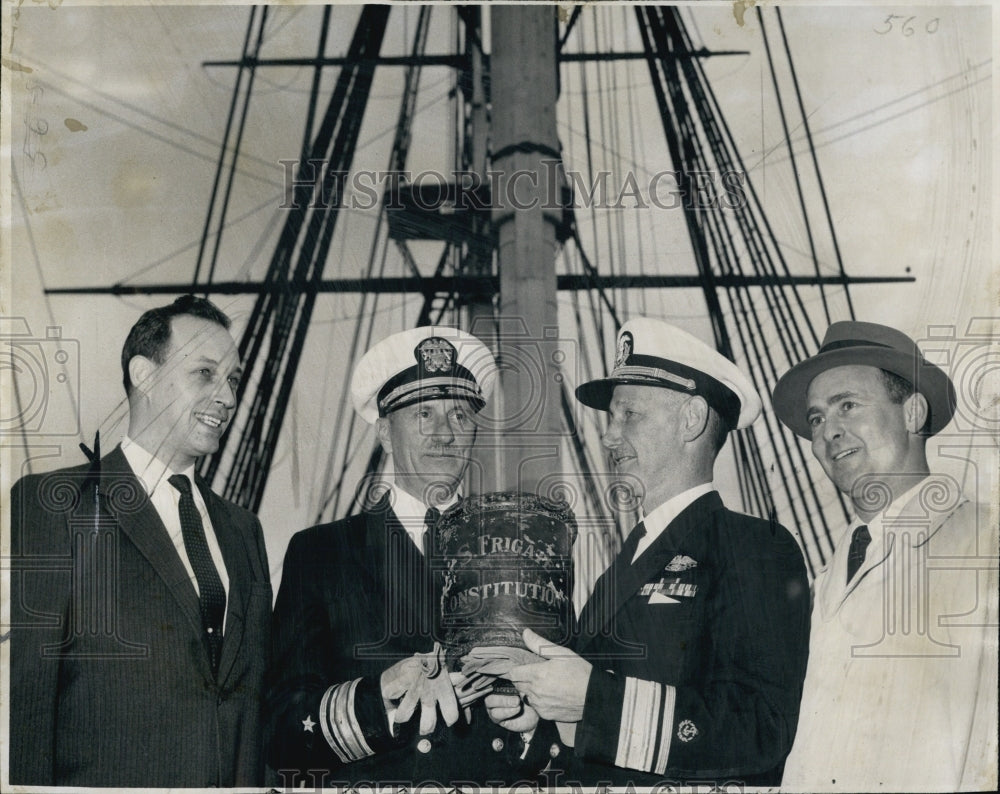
411, 513
153, 474
659, 519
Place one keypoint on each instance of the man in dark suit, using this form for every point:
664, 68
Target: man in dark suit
357, 602
691, 650
140, 604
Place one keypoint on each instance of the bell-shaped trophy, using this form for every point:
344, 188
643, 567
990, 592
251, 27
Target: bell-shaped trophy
503, 563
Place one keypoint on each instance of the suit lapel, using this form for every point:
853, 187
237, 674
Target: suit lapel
414, 597
402, 575
623, 579
141, 524
834, 588
376, 546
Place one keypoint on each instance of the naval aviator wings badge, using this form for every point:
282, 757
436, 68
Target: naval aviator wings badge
681, 563
671, 587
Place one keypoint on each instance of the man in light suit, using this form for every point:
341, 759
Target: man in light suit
358, 603
140, 599
901, 690
691, 650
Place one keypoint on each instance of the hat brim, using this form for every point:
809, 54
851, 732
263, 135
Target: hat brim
477, 402
789, 398
597, 393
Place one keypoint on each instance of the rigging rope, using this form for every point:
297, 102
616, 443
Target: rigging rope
361, 340
792, 160
597, 317
639, 154
226, 149
815, 162
699, 140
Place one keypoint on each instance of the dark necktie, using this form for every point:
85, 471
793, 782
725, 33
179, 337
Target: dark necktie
430, 520
212, 596
860, 539
632, 543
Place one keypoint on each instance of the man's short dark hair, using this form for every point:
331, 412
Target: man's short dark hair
899, 390
150, 336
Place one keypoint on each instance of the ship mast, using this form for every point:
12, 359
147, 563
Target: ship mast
524, 75
497, 271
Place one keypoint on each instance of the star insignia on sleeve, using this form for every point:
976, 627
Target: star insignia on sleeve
308, 723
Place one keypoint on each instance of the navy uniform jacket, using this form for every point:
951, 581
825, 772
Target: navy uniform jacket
699, 653
355, 598
111, 683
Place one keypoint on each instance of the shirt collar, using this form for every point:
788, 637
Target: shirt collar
833, 588
908, 505
411, 511
150, 470
659, 519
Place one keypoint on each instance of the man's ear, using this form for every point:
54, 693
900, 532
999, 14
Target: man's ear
140, 371
382, 431
695, 417
915, 412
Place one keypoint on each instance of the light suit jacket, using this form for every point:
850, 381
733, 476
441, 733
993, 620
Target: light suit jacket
901, 688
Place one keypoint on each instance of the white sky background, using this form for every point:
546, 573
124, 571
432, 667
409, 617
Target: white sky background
113, 129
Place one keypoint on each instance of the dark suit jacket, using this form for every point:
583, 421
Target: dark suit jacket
110, 679
699, 653
355, 598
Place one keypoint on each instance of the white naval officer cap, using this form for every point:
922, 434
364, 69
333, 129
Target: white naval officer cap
433, 362
652, 352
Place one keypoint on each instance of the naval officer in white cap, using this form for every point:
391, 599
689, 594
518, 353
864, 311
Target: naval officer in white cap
690, 653
354, 620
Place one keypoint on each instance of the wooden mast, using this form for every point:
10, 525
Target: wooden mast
524, 88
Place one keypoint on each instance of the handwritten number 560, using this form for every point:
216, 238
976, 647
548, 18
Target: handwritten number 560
906, 28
